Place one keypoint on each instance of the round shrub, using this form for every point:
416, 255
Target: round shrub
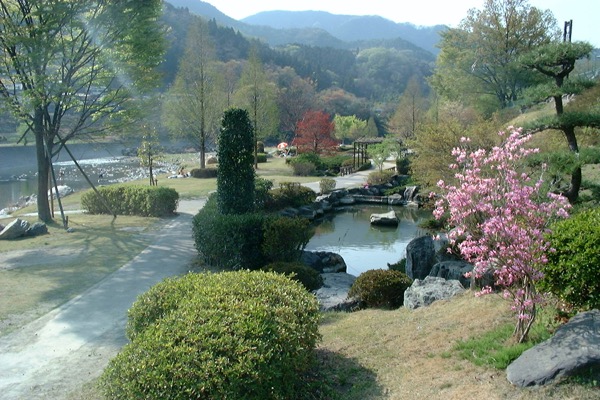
232, 335
327, 185
380, 177
572, 272
380, 288
289, 194
261, 157
307, 276
304, 169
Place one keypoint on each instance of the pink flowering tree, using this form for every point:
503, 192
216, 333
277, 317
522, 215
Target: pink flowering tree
499, 215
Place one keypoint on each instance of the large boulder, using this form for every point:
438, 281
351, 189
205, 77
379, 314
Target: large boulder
575, 346
63, 190
37, 229
324, 261
420, 257
347, 200
453, 270
424, 292
15, 229
333, 295
384, 219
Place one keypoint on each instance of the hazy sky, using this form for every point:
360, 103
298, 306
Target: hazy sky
584, 13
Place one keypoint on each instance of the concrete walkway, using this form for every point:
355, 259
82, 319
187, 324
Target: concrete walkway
57, 354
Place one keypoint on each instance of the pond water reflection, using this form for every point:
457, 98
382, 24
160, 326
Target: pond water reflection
364, 247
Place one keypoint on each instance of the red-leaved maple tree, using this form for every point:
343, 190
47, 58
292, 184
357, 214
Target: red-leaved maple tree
314, 133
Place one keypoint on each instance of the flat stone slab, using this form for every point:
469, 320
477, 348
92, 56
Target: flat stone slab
386, 219
575, 345
334, 292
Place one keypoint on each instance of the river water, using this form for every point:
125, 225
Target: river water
103, 163
363, 246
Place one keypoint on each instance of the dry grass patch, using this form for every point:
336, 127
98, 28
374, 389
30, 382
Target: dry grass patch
405, 354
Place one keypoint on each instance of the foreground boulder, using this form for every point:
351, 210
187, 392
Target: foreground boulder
324, 261
424, 292
453, 270
574, 346
420, 257
384, 219
14, 230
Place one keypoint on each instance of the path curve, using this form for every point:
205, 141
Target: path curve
58, 353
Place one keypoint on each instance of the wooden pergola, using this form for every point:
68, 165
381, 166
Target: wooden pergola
360, 150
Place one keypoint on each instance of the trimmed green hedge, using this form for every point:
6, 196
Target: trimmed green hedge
229, 241
232, 335
380, 288
204, 173
145, 201
247, 241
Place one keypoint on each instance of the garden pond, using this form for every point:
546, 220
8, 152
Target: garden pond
363, 246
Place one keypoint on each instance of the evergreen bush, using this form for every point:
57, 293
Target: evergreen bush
261, 192
573, 269
290, 194
310, 278
229, 241
232, 335
380, 288
261, 157
235, 177
285, 238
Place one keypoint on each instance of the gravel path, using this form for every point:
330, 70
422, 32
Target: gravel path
70, 346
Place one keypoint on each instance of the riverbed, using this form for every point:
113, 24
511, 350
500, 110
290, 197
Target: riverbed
104, 164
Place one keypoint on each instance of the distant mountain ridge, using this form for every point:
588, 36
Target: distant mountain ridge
350, 28
318, 28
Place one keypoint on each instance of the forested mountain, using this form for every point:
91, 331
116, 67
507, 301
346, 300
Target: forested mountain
317, 28
377, 69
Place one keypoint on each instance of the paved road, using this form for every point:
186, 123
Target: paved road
70, 346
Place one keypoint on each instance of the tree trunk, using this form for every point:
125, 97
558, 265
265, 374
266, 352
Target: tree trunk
43, 169
572, 193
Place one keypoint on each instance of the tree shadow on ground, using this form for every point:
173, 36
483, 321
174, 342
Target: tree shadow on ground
345, 378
